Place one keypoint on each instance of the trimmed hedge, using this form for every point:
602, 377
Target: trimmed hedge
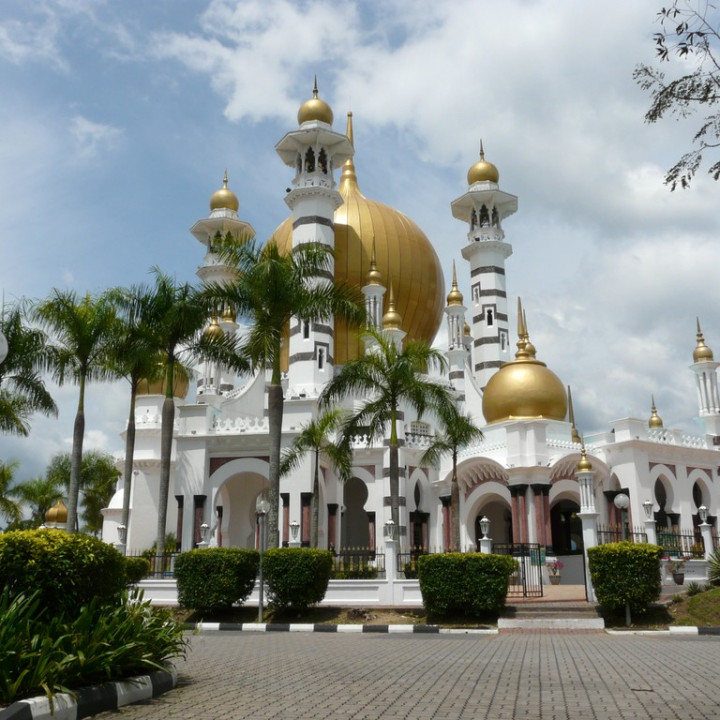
471, 584
297, 577
67, 570
626, 573
215, 579
136, 568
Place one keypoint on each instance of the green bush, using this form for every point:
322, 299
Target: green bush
297, 577
470, 584
714, 567
67, 570
136, 568
626, 573
40, 654
215, 579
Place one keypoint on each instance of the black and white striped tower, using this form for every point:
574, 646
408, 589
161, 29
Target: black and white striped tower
484, 207
314, 150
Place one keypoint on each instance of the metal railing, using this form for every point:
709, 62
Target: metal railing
407, 562
676, 543
162, 567
358, 564
616, 533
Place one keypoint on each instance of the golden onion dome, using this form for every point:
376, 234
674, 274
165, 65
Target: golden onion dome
701, 353
213, 330
524, 388
655, 420
224, 198
157, 387
57, 514
454, 296
584, 465
483, 170
466, 330
392, 320
315, 109
403, 254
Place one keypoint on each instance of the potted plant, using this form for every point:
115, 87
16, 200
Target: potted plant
675, 566
554, 567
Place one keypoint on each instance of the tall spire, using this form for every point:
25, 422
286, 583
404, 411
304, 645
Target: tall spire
348, 177
655, 421
702, 352
571, 416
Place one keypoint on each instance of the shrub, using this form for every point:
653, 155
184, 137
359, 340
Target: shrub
470, 584
215, 579
626, 573
694, 588
136, 568
49, 654
297, 577
714, 567
67, 570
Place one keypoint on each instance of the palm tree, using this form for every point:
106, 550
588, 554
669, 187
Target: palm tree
177, 314
8, 508
133, 356
458, 431
82, 331
315, 438
22, 390
269, 289
39, 494
389, 377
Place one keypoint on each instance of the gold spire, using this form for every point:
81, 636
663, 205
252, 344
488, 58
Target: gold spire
229, 315
529, 347
374, 276
702, 352
571, 416
454, 296
655, 420
348, 178
521, 353
391, 319
224, 198
483, 171
584, 464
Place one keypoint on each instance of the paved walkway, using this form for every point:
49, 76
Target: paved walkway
541, 676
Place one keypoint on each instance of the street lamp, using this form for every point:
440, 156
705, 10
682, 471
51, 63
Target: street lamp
294, 529
262, 506
484, 526
648, 508
389, 530
702, 512
622, 502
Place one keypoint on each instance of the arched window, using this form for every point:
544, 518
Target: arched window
299, 163
473, 220
310, 160
306, 330
489, 317
484, 216
322, 161
495, 218
321, 358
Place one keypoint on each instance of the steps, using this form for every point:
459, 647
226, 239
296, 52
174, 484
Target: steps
551, 615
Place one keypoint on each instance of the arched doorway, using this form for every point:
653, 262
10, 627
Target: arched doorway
235, 510
566, 528
358, 525
498, 513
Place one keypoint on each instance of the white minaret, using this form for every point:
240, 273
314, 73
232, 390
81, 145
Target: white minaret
457, 351
313, 150
484, 206
704, 367
223, 224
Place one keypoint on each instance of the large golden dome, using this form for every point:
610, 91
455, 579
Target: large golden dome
524, 388
157, 387
404, 258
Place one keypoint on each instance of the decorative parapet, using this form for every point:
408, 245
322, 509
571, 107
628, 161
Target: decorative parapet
675, 437
564, 444
247, 424
483, 448
417, 441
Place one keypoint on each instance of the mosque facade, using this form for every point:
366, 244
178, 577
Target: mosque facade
522, 476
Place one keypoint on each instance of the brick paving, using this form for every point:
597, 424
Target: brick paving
543, 675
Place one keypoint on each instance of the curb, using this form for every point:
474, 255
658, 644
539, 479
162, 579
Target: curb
207, 627
95, 699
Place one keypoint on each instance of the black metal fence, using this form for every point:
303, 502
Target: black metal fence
618, 533
358, 564
407, 563
162, 567
680, 544
527, 580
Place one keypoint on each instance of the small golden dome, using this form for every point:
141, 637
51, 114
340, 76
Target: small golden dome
466, 330
374, 276
584, 464
57, 514
483, 170
315, 109
454, 296
655, 420
392, 319
524, 388
224, 198
157, 387
702, 352
213, 330
229, 315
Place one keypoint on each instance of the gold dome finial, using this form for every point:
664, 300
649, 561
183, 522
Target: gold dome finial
466, 330
529, 347
315, 109
391, 319
655, 422
224, 198
483, 171
454, 296
229, 315
571, 416
348, 178
702, 352
374, 276
584, 464
521, 353
214, 330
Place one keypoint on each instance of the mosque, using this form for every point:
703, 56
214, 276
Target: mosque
522, 476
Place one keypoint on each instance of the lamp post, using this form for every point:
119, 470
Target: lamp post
485, 540
204, 528
705, 531
295, 534
622, 502
262, 506
650, 529
122, 537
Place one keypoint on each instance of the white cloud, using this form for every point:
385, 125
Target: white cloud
92, 138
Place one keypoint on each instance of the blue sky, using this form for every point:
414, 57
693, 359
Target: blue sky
119, 118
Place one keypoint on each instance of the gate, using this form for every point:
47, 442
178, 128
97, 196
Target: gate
526, 581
